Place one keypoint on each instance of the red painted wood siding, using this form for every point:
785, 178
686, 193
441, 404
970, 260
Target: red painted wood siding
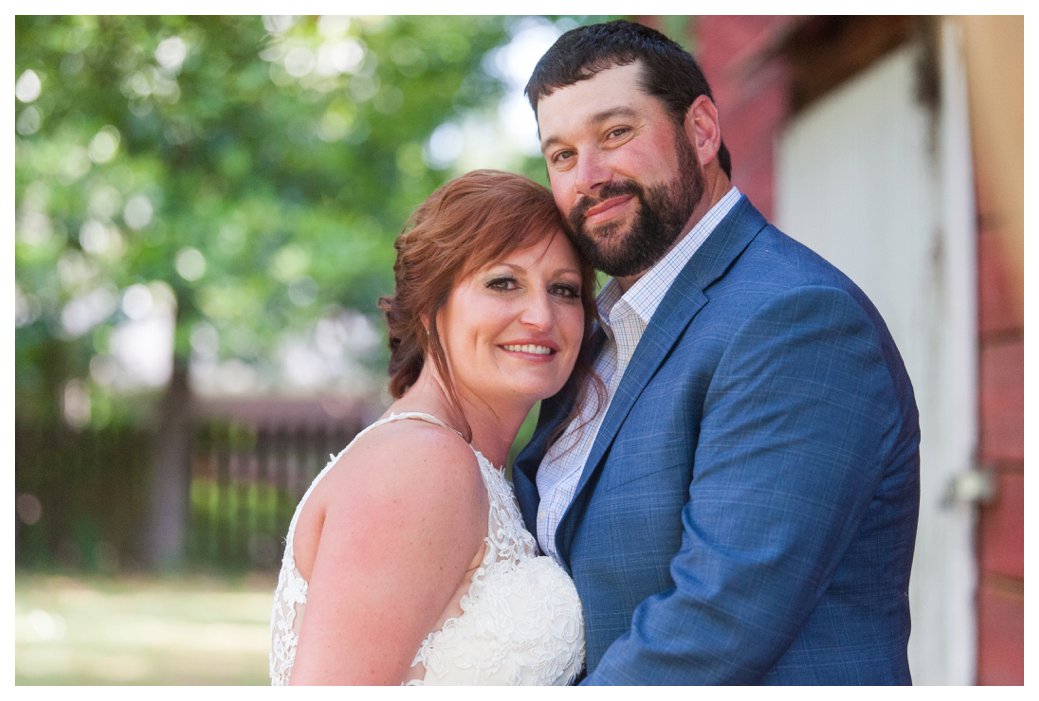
1001, 352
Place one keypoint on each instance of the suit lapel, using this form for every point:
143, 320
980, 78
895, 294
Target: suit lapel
680, 305
551, 413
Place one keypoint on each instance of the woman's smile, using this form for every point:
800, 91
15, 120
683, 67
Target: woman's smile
529, 349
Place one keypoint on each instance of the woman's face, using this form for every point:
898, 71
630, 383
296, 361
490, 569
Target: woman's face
512, 329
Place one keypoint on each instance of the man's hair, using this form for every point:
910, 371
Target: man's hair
669, 72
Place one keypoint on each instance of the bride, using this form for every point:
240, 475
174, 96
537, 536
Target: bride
407, 560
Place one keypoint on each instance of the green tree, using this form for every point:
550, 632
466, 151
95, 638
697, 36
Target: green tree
252, 171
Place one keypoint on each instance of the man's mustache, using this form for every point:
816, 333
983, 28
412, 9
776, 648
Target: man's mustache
613, 189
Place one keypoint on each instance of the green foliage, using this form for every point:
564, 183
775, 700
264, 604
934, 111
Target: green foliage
253, 172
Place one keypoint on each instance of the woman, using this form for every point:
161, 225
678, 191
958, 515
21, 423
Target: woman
407, 560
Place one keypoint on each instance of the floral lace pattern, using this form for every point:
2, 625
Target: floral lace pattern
520, 621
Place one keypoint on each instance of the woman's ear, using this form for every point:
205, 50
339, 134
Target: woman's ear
703, 129
424, 318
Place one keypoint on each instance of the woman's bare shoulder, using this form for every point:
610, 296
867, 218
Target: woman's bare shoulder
401, 478
405, 460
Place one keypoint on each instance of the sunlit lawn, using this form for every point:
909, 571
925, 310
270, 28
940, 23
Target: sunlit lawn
183, 630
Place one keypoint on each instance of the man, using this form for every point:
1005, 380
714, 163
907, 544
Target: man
739, 506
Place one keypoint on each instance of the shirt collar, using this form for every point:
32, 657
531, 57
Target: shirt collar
645, 295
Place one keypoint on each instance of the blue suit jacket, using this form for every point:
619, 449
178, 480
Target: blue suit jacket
748, 510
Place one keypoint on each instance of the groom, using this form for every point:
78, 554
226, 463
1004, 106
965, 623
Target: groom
737, 500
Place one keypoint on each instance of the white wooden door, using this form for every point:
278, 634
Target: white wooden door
880, 184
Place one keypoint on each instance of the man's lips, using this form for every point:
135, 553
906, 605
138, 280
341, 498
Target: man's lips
607, 208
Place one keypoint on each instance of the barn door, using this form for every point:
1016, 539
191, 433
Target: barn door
878, 180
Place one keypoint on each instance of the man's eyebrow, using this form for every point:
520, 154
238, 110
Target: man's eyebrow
597, 118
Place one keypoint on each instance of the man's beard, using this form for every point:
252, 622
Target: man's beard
664, 210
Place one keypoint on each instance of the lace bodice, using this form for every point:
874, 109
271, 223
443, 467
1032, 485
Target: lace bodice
520, 621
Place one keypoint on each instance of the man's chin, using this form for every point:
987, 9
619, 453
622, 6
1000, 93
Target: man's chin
600, 245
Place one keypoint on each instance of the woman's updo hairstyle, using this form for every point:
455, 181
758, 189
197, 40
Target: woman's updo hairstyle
470, 222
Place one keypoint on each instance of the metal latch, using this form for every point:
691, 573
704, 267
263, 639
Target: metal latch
976, 486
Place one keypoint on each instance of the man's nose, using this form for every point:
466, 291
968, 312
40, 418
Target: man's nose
592, 173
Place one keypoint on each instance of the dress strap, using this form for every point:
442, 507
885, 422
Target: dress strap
420, 415
485, 464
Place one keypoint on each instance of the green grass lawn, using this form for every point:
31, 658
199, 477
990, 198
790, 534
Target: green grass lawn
137, 630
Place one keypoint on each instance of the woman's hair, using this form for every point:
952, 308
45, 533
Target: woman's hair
470, 222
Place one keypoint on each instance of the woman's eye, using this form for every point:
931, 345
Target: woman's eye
502, 284
565, 290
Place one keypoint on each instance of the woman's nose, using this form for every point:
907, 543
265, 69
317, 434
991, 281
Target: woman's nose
537, 311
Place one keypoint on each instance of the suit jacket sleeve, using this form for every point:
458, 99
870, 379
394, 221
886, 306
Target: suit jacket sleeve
797, 423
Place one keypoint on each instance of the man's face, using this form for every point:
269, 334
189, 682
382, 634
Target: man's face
622, 172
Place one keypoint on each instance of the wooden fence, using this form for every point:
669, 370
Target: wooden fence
82, 496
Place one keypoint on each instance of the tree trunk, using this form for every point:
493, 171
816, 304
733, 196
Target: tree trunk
171, 474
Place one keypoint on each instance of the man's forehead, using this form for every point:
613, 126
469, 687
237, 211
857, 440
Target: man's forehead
627, 74
608, 95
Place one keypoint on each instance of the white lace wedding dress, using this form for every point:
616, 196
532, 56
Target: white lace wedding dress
521, 620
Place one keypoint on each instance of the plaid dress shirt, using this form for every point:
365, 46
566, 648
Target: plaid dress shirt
624, 319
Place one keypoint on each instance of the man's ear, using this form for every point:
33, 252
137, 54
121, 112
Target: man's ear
703, 129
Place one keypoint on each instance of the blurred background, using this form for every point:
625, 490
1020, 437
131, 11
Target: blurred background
204, 216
